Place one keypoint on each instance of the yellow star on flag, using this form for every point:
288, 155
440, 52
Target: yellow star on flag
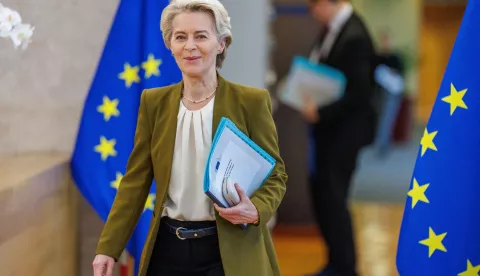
106, 148
434, 242
151, 66
108, 108
129, 75
116, 183
471, 270
417, 193
150, 203
427, 141
455, 99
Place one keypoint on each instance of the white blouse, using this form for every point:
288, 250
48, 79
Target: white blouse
186, 200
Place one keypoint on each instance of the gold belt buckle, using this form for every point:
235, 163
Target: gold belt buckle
177, 232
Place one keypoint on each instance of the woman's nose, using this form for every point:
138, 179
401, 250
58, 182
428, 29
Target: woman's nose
190, 45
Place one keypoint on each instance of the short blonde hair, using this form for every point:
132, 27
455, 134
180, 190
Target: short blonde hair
211, 7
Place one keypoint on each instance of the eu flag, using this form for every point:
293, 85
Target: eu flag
134, 58
440, 232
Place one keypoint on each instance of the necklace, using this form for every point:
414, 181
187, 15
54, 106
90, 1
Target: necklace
199, 101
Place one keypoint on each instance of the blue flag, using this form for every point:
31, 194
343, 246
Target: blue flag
134, 58
440, 232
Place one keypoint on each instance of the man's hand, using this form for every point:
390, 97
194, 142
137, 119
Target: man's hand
309, 111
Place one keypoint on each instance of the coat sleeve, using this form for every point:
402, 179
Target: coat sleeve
263, 132
133, 190
358, 70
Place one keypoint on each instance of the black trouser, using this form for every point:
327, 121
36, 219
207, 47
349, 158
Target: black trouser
191, 257
330, 185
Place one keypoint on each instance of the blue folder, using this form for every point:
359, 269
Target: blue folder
325, 84
228, 131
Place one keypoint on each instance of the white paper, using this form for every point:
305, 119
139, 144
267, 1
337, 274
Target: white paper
249, 171
236, 165
309, 80
389, 79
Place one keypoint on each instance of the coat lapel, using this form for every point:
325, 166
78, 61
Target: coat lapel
174, 103
168, 124
338, 43
221, 104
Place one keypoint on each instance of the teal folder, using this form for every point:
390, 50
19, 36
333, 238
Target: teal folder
233, 154
323, 83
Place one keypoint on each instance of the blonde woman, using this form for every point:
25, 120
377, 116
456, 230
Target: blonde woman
189, 235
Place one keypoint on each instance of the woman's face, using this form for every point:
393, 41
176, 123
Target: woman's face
194, 43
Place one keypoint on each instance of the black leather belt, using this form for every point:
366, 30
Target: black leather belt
184, 233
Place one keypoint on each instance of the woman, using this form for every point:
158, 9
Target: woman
188, 234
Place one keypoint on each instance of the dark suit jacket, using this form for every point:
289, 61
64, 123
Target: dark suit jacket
352, 119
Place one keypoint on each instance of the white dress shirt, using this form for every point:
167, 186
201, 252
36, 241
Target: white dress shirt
186, 200
335, 27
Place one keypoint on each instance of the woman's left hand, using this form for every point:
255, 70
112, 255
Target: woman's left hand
242, 213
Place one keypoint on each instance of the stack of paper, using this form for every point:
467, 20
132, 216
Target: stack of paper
321, 83
236, 157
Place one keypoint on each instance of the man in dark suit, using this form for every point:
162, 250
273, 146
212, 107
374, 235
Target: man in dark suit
341, 129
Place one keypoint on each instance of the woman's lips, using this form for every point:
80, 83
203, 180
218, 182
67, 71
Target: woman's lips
191, 58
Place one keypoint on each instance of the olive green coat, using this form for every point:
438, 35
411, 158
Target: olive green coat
246, 252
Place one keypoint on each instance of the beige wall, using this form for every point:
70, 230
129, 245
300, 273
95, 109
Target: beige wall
42, 89
402, 19
38, 217
46, 227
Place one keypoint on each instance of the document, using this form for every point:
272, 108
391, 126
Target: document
236, 165
236, 157
323, 84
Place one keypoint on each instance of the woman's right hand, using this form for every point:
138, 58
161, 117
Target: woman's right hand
103, 265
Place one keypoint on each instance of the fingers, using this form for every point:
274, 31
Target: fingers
240, 192
98, 268
235, 210
307, 99
109, 268
306, 104
218, 208
229, 214
103, 265
236, 219
235, 215
240, 213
